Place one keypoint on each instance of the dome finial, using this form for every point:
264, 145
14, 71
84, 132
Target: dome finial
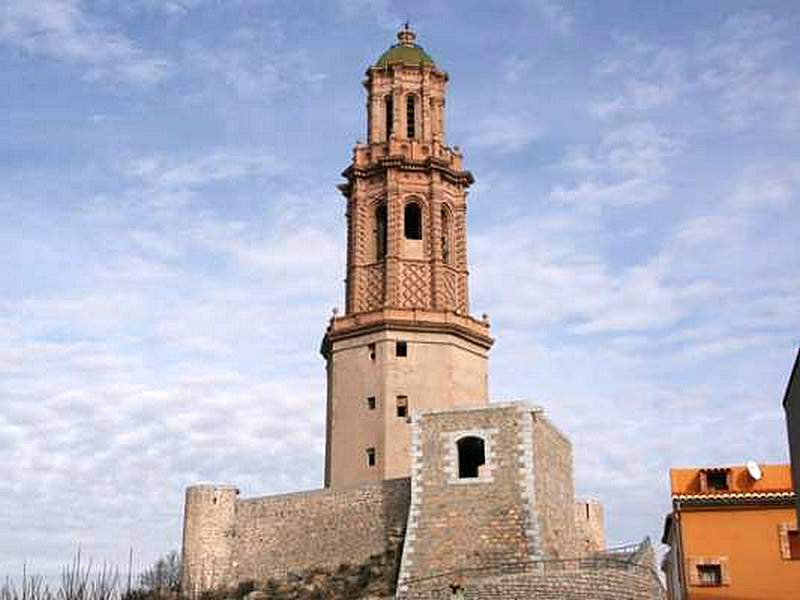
406, 35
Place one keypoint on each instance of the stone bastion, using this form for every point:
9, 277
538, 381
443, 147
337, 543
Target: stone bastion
488, 512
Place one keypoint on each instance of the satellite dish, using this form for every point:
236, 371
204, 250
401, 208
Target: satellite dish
753, 470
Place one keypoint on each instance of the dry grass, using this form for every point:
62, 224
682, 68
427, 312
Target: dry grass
81, 580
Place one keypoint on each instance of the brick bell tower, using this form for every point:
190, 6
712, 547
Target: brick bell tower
406, 341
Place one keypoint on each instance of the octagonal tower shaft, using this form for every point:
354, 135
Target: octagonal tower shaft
406, 341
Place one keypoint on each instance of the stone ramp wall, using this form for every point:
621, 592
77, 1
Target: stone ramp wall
570, 579
323, 529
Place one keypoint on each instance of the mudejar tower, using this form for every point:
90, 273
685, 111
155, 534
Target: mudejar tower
406, 340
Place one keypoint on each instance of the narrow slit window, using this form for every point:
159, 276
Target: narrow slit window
371, 350
371, 403
412, 221
410, 116
380, 232
370, 457
388, 107
401, 349
402, 406
471, 457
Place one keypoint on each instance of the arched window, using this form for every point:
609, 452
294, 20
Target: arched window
446, 235
412, 221
388, 103
380, 232
471, 456
410, 116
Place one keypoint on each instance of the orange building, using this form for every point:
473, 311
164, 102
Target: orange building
732, 533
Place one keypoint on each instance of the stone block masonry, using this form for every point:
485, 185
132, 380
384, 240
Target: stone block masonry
554, 487
517, 507
489, 507
228, 541
589, 523
582, 579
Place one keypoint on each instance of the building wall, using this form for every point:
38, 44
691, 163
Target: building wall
590, 530
262, 538
441, 370
508, 515
748, 538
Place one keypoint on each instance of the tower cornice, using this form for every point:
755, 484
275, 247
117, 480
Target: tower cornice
463, 326
379, 166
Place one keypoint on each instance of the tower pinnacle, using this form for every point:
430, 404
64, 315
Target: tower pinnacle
407, 36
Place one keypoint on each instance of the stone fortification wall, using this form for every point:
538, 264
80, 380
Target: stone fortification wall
228, 541
323, 529
519, 507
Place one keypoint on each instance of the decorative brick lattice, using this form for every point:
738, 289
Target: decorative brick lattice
372, 295
415, 285
460, 240
463, 296
450, 287
360, 214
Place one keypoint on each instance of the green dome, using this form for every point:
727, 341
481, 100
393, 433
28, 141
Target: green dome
408, 55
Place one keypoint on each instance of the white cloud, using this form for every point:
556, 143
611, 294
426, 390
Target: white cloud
516, 68
252, 65
379, 11
169, 7
61, 30
736, 70
649, 77
502, 133
628, 167
742, 64
592, 195
557, 17
219, 165
113, 388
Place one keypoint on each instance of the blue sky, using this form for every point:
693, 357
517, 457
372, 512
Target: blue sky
172, 242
